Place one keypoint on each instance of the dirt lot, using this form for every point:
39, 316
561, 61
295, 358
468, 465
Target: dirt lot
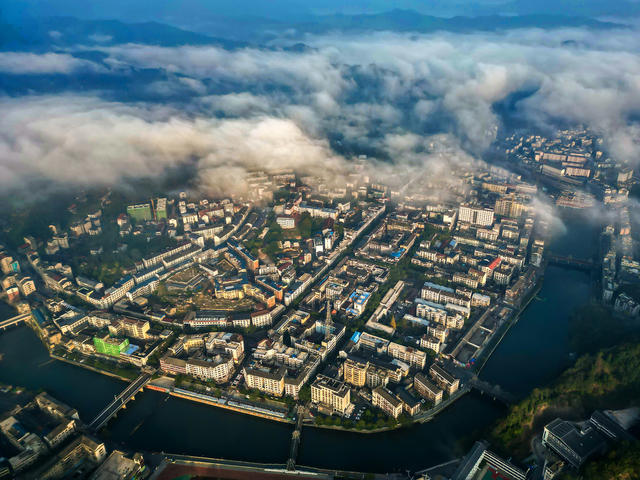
185, 275
206, 301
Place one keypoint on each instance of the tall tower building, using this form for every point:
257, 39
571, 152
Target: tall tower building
328, 323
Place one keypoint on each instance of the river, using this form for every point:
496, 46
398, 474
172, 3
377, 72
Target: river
6, 311
534, 351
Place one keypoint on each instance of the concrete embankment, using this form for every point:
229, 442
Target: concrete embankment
195, 397
90, 367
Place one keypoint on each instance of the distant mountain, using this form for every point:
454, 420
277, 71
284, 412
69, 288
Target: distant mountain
412, 21
192, 14
36, 33
255, 29
587, 8
43, 33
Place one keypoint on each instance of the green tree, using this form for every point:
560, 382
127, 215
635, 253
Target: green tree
305, 394
608, 379
305, 225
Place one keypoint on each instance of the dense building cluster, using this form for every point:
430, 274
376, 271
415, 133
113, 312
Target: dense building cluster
364, 302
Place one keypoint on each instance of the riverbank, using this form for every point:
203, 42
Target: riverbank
204, 399
184, 394
200, 398
89, 367
262, 412
420, 418
424, 417
157, 422
517, 363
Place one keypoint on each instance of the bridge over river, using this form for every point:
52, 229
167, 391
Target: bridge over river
119, 402
295, 439
10, 322
569, 261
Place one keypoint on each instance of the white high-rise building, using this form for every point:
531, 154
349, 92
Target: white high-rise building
475, 215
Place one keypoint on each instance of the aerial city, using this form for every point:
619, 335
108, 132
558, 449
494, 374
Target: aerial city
317, 239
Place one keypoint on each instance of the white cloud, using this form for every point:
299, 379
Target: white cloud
574, 76
22, 63
241, 104
427, 101
100, 38
311, 71
86, 141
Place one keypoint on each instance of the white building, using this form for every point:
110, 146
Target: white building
286, 223
475, 215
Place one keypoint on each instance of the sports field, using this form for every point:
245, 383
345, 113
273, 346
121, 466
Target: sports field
489, 473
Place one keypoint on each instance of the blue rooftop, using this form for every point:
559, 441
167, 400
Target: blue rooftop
131, 349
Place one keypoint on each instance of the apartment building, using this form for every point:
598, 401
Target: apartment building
439, 294
293, 384
475, 215
60, 433
430, 342
26, 286
386, 401
413, 357
265, 379
426, 389
230, 343
354, 372
331, 394
218, 369
261, 318
170, 252
174, 366
286, 222
438, 331
444, 379
116, 292
376, 377
130, 327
